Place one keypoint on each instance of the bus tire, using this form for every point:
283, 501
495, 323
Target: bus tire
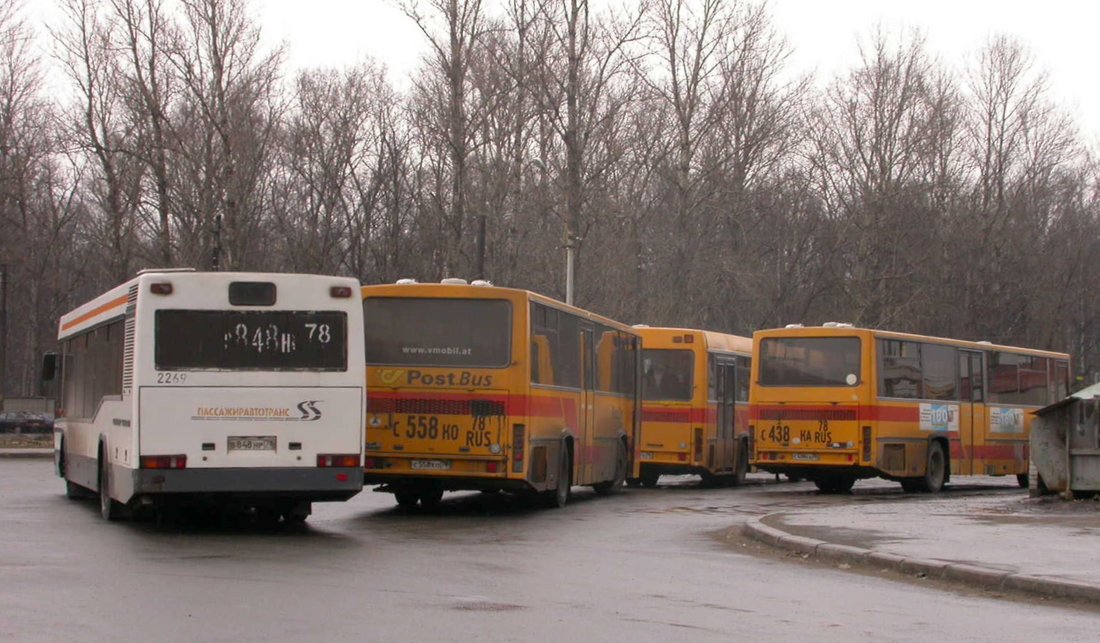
560, 496
609, 486
634, 482
430, 495
109, 508
649, 478
935, 473
912, 486
1022, 480
406, 497
835, 483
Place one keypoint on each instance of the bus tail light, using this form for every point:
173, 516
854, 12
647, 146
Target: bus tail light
340, 292
164, 462
161, 288
698, 443
338, 460
866, 451
519, 437
491, 467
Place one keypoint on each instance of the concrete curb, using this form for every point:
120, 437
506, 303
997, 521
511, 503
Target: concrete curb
968, 574
26, 453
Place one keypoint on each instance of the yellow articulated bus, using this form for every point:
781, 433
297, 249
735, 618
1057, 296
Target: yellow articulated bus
835, 404
695, 392
485, 388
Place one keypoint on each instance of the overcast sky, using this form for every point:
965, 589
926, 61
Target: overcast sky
1061, 34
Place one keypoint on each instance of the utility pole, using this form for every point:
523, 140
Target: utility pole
216, 251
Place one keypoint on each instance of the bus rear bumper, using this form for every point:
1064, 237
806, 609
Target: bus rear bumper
389, 482
306, 483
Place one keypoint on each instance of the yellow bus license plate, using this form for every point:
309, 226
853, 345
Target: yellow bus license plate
431, 465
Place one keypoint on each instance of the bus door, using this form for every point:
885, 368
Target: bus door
971, 410
587, 441
727, 389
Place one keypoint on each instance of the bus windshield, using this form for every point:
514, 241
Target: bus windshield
251, 340
438, 332
666, 374
809, 361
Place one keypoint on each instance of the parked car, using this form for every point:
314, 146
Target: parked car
25, 422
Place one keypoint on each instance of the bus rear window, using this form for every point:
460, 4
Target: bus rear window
809, 361
226, 340
666, 374
470, 333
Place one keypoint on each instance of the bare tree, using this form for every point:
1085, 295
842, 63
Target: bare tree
230, 115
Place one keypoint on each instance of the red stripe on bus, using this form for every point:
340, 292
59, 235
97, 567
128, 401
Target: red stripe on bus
449, 403
681, 416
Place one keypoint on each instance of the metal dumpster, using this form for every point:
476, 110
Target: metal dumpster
1065, 446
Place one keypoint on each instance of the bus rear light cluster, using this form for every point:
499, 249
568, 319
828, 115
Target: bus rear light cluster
682, 457
519, 436
164, 462
340, 292
866, 451
698, 443
338, 460
491, 467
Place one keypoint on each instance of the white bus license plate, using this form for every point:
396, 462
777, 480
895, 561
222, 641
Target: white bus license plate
806, 457
432, 465
251, 443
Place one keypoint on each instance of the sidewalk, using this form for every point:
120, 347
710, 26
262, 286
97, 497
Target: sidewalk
26, 453
1044, 546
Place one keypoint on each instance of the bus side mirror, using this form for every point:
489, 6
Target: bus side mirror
49, 367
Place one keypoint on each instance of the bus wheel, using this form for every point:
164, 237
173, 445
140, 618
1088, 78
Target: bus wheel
565, 480
936, 471
109, 508
835, 484
430, 495
649, 478
912, 486
634, 482
297, 512
606, 487
1021, 479
406, 497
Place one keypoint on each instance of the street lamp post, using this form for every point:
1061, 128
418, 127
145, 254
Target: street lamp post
570, 239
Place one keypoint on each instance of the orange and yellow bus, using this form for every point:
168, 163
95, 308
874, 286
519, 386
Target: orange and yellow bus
475, 387
695, 392
835, 404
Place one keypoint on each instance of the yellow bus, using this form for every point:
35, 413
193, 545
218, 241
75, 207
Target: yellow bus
835, 404
695, 394
476, 387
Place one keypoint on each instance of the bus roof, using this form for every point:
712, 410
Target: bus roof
714, 340
467, 291
112, 304
847, 330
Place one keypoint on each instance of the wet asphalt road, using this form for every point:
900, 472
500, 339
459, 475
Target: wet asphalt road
642, 565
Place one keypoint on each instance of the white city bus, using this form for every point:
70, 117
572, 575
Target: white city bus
243, 389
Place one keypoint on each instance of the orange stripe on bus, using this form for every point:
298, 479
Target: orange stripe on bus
121, 301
